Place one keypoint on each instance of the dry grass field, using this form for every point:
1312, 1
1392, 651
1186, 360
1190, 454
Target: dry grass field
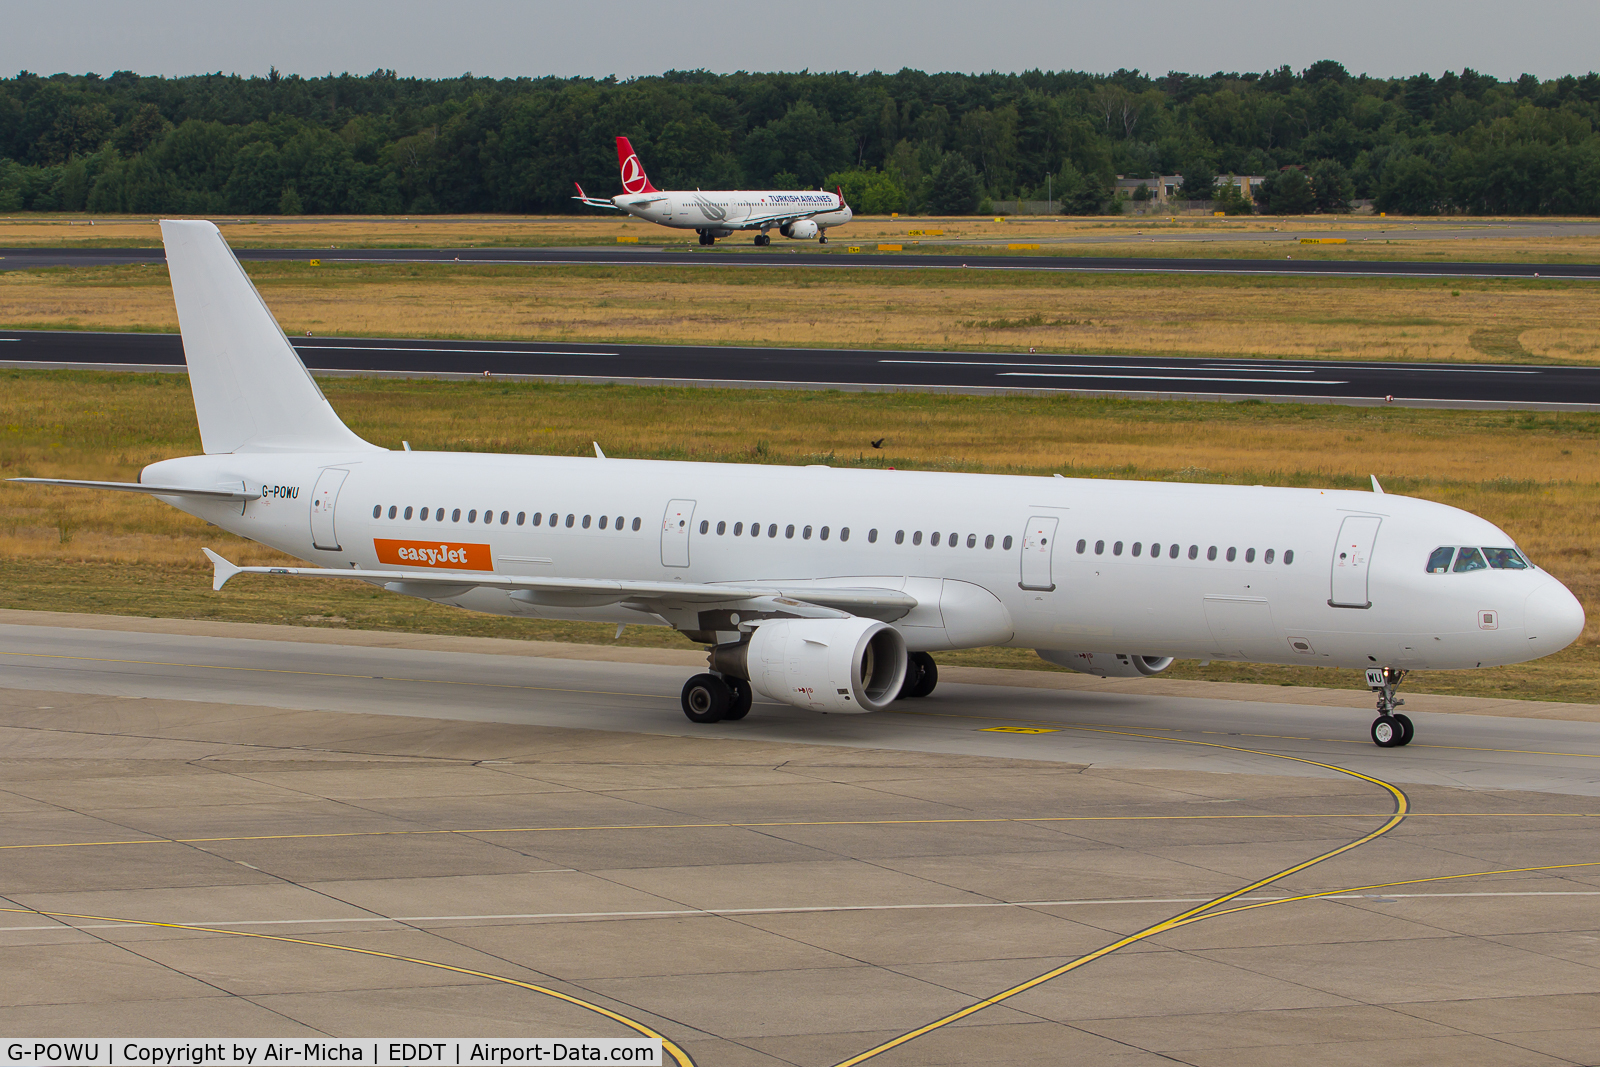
1458, 320
72, 550
1367, 237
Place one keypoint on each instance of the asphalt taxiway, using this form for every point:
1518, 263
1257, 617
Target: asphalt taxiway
839, 257
480, 837
1548, 387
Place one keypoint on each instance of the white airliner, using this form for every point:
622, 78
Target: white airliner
794, 213
826, 589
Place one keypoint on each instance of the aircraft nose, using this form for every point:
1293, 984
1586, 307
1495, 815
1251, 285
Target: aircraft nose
1554, 617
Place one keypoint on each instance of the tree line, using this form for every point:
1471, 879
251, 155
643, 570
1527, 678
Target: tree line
910, 141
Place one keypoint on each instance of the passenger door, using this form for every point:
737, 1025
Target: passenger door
675, 528
1038, 544
323, 499
1352, 557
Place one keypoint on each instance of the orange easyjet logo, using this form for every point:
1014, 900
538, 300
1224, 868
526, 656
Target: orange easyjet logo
434, 554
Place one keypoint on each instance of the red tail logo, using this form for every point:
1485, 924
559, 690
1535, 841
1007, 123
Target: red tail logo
634, 179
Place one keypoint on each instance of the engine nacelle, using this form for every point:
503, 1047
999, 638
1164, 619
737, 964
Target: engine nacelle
851, 665
1107, 664
800, 229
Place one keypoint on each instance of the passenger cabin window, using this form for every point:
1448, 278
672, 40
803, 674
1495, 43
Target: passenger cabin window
805, 535
844, 533
1082, 544
916, 538
933, 539
722, 528
1194, 551
899, 537
1099, 548
823, 533
408, 513
704, 524
635, 523
738, 529
1138, 547
455, 516
1269, 554
1006, 544
872, 536
1211, 553
1288, 556
988, 542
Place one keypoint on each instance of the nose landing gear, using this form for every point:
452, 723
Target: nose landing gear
1391, 729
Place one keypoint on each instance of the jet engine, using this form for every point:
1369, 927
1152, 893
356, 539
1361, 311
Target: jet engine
1107, 664
800, 229
850, 665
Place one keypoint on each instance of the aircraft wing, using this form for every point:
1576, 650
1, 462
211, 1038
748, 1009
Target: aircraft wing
592, 592
234, 495
778, 218
592, 201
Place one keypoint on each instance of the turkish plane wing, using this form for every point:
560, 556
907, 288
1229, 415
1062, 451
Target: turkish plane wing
592, 201
883, 604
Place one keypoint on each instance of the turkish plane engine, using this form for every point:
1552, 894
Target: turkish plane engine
800, 229
850, 665
1107, 664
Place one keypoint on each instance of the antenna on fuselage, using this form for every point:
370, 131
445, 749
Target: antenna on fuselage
1376, 488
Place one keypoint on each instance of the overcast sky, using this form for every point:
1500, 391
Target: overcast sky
627, 38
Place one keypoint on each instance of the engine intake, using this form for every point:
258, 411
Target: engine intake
851, 665
1107, 664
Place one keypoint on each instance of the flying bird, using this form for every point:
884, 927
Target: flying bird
879, 442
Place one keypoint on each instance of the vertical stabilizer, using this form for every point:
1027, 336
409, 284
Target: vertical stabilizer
251, 392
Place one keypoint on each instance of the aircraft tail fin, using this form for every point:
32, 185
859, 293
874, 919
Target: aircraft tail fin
251, 391
634, 179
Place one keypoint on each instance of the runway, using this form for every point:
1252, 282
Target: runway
228, 832
1542, 387
837, 256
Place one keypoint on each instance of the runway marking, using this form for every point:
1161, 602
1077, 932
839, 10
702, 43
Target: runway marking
1043, 819
1358, 893
1402, 805
1090, 366
1357, 890
1156, 378
683, 1058
452, 351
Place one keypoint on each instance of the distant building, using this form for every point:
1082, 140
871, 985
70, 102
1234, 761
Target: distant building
1164, 189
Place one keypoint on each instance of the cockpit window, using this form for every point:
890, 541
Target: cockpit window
1439, 562
1469, 559
1505, 559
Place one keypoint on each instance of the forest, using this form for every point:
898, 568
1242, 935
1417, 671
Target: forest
1458, 143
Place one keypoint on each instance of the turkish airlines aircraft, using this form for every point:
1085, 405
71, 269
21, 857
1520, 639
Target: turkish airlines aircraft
826, 589
798, 214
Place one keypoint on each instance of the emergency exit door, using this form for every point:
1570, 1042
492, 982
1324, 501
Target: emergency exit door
1038, 545
1352, 559
323, 499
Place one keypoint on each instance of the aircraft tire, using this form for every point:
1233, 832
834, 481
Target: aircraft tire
927, 675
1387, 732
822, 240
744, 695
1408, 731
706, 698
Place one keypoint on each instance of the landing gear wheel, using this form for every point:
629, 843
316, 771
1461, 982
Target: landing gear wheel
1387, 732
706, 698
922, 675
822, 240
707, 239
762, 240
744, 694
1407, 730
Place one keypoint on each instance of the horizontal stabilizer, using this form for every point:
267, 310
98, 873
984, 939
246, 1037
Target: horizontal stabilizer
237, 496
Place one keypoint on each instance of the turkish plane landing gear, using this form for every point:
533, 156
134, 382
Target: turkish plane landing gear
922, 675
822, 238
1391, 729
709, 698
706, 238
762, 240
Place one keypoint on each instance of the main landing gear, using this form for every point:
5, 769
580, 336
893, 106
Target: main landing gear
711, 698
922, 675
1391, 729
706, 238
762, 240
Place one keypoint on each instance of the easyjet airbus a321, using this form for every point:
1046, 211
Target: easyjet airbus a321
798, 214
827, 589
